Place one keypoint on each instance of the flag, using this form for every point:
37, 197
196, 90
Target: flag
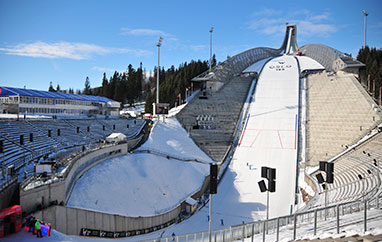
286, 23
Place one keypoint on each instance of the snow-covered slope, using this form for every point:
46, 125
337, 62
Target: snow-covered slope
143, 184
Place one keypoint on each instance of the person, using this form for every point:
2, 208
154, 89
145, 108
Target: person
173, 236
221, 222
38, 228
32, 225
28, 222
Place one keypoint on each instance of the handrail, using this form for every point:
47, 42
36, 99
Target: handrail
71, 161
240, 232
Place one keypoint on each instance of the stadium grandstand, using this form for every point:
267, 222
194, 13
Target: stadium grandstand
27, 101
39, 127
290, 108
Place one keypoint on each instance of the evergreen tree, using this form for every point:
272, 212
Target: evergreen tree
51, 89
149, 102
87, 90
105, 85
372, 58
213, 60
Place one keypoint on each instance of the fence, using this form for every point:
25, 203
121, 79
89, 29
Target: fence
77, 221
312, 219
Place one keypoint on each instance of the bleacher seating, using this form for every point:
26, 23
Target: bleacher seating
15, 152
356, 174
60, 133
339, 114
211, 122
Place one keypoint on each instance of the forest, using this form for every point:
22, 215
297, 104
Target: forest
133, 85
371, 75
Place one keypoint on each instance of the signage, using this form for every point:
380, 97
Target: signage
109, 234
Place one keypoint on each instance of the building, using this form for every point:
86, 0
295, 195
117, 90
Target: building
28, 101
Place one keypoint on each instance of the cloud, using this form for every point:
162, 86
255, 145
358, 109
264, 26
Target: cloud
103, 69
267, 12
144, 32
309, 28
66, 50
197, 47
272, 22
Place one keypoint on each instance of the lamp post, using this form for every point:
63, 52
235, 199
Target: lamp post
158, 45
211, 30
364, 35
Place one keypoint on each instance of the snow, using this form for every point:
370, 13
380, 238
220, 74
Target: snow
21, 116
307, 63
130, 178
267, 140
115, 137
257, 66
172, 112
191, 201
326, 229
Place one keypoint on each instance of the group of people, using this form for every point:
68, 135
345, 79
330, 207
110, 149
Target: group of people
35, 225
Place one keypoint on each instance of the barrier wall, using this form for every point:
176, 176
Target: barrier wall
76, 221
7, 192
61, 187
70, 220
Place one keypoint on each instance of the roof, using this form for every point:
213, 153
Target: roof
350, 62
191, 201
116, 135
306, 63
12, 91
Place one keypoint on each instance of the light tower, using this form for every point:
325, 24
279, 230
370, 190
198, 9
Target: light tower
211, 30
364, 34
158, 45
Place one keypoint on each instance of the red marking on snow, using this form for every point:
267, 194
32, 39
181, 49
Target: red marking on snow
242, 136
281, 143
272, 129
255, 138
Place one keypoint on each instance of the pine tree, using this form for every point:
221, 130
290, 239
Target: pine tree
51, 89
87, 90
149, 102
213, 60
105, 85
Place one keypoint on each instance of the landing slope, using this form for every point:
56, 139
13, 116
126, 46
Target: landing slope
142, 184
270, 137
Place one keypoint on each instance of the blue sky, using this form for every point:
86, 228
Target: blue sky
65, 41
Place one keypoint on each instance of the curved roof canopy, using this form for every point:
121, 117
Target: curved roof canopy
12, 91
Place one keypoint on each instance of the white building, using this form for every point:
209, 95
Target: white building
28, 101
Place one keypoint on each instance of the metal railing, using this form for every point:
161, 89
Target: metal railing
68, 161
313, 220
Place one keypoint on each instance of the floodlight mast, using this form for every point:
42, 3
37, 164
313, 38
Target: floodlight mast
364, 34
211, 30
158, 45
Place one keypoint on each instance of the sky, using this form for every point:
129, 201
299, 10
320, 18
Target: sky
63, 42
